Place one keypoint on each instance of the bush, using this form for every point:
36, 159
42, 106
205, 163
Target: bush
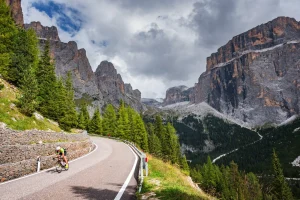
1, 86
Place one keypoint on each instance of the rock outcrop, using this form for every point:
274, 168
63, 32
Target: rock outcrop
68, 58
255, 76
133, 93
16, 11
110, 83
97, 89
178, 94
44, 32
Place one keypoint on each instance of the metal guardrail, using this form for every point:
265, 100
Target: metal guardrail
143, 163
143, 160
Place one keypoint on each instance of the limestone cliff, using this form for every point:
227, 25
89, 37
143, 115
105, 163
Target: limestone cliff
16, 11
255, 76
97, 89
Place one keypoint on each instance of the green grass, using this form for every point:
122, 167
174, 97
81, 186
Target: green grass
10, 115
168, 183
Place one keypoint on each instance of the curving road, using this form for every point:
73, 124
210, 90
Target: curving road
106, 174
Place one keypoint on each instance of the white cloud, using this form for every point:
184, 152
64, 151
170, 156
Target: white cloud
152, 43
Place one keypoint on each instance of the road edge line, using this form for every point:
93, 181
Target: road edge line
124, 186
45, 170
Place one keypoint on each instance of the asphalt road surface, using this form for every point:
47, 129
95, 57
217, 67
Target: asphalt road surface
106, 174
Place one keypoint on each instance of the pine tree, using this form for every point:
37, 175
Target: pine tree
122, 123
8, 34
157, 146
183, 164
27, 102
80, 121
131, 124
84, 117
140, 133
151, 145
281, 189
159, 128
47, 82
25, 55
95, 123
109, 121
69, 117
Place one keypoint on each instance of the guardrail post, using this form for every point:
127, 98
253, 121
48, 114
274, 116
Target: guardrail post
38, 164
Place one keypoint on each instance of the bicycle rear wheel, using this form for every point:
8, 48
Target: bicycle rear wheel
58, 168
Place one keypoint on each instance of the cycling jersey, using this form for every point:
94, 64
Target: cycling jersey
61, 151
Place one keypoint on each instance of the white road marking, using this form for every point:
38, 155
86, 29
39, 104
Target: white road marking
45, 170
120, 193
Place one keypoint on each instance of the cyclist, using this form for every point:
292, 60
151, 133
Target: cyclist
61, 152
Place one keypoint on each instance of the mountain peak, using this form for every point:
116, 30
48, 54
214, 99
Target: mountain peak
272, 33
43, 32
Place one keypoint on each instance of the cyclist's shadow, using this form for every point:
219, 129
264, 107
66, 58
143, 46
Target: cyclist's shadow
52, 171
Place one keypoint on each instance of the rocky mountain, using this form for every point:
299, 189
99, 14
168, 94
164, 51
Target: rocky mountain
178, 94
67, 58
110, 83
97, 89
255, 76
16, 11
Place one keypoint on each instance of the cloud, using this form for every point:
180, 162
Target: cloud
216, 21
155, 44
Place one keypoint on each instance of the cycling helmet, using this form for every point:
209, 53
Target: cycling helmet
57, 148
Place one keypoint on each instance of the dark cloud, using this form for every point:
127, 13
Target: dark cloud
159, 55
217, 21
149, 5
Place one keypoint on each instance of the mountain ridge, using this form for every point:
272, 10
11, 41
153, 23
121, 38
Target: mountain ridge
255, 76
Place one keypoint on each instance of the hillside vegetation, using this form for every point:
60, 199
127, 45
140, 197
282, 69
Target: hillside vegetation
167, 182
10, 114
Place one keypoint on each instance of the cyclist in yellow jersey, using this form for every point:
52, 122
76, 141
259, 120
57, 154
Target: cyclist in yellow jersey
61, 152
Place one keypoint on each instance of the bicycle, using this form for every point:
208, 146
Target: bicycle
61, 165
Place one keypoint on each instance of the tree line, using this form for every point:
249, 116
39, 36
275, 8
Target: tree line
157, 138
227, 182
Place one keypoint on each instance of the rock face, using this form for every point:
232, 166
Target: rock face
44, 32
97, 89
178, 94
133, 93
110, 83
16, 11
255, 76
68, 58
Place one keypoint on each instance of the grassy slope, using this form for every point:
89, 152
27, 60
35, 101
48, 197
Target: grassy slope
168, 182
9, 112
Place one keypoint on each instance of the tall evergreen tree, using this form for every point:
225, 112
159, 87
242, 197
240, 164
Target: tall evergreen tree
25, 55
69, 118
281, 189
84, 117
140, 133
95, 123
109, 121
80, 121
27, 102
159, 128
183, 163
131, 123
122, 123
47, 82
8, 34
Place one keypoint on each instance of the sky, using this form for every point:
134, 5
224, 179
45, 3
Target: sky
154, 44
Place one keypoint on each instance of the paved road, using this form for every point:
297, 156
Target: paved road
100, 175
